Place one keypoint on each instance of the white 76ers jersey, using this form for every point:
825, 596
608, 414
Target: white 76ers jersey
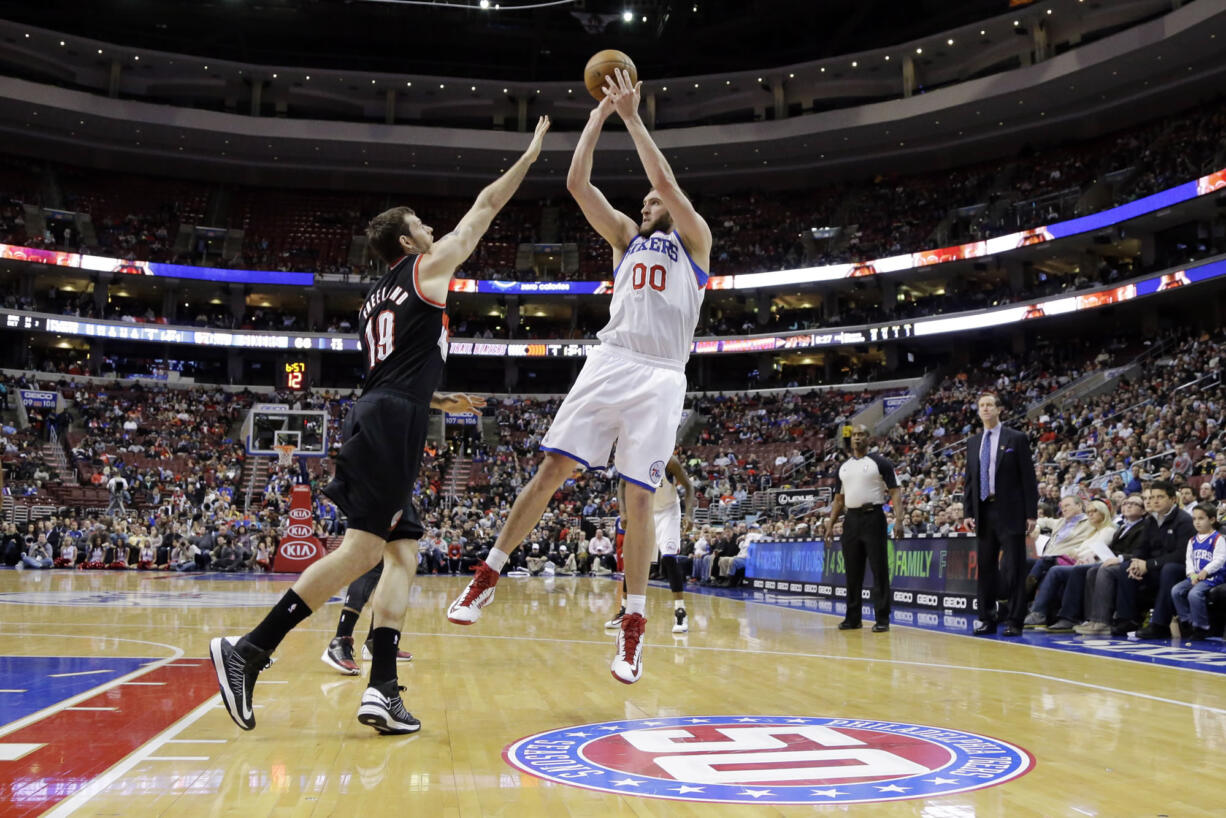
657, 293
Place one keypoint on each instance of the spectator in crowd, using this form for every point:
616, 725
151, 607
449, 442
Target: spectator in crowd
1118, 586
600, 548
1128, 538
39, 555
1065, 538
1205, 566
1066, 582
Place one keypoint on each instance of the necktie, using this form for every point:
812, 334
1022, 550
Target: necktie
985, 466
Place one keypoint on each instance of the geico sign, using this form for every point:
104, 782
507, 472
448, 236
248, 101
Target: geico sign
298, 550
904, 596
300, 514
927, 599
298, 530
954, 602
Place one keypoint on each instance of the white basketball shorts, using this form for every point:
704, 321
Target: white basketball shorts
620, 398
668, 529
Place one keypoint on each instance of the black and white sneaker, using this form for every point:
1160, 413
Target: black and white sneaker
616, 622
237, 663
383, 710
681, 625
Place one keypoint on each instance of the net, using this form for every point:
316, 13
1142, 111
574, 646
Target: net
285, 453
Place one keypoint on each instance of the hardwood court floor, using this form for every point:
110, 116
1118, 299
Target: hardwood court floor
1109, 737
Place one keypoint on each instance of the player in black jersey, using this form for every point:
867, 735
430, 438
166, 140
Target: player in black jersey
403, 333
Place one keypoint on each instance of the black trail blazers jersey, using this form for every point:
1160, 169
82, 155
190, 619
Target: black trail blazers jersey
403, 334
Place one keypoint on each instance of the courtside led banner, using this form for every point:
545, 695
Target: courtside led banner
927, 572
806, 275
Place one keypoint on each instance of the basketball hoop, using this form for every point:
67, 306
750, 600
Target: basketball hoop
285, 453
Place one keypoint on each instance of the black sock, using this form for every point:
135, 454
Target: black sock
283, 618
383, 652
348, 620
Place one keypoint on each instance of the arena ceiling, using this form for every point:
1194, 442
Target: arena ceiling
665, 37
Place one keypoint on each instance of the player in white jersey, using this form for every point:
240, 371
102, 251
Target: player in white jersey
631, 388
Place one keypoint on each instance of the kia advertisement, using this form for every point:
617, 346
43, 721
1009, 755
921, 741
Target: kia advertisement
299, 547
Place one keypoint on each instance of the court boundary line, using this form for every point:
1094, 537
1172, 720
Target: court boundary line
87, 793
51, 710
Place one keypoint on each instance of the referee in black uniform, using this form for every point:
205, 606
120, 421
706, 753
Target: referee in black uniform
863, 482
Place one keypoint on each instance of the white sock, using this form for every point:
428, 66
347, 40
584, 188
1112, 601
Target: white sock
636, 604
678, 604
496, 559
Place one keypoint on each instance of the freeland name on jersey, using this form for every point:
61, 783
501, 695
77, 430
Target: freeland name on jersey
396, 294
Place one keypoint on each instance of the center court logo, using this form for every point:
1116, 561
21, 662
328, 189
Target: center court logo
769, 759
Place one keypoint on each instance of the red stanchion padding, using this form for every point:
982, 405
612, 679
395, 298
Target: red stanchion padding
299, 546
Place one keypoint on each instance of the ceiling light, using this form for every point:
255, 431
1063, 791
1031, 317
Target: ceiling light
855, 64
627, 16
950, 41
919, 51
485, 4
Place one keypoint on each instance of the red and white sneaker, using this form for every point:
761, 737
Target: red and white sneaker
480, 592
340, 655
368, 652
627, 666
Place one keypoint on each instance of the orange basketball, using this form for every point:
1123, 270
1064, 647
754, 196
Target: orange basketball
601, 65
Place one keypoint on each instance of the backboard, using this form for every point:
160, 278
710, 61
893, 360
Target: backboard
270, 424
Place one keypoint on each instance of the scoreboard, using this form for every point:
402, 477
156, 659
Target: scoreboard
292, 375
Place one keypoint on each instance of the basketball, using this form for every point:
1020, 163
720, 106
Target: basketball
601, 65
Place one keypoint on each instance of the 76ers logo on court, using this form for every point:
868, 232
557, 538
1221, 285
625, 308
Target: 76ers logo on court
769, 759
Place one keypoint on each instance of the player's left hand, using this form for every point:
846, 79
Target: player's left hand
459, 404
624, 95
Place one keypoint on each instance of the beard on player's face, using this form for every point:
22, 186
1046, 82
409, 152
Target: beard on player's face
663, 223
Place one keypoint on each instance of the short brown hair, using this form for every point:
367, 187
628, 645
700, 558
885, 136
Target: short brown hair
988, 393
1208, 509
385, 230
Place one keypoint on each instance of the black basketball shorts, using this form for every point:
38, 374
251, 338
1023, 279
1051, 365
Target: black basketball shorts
383, 435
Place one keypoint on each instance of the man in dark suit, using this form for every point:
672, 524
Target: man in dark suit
1155, 567
1002, 500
